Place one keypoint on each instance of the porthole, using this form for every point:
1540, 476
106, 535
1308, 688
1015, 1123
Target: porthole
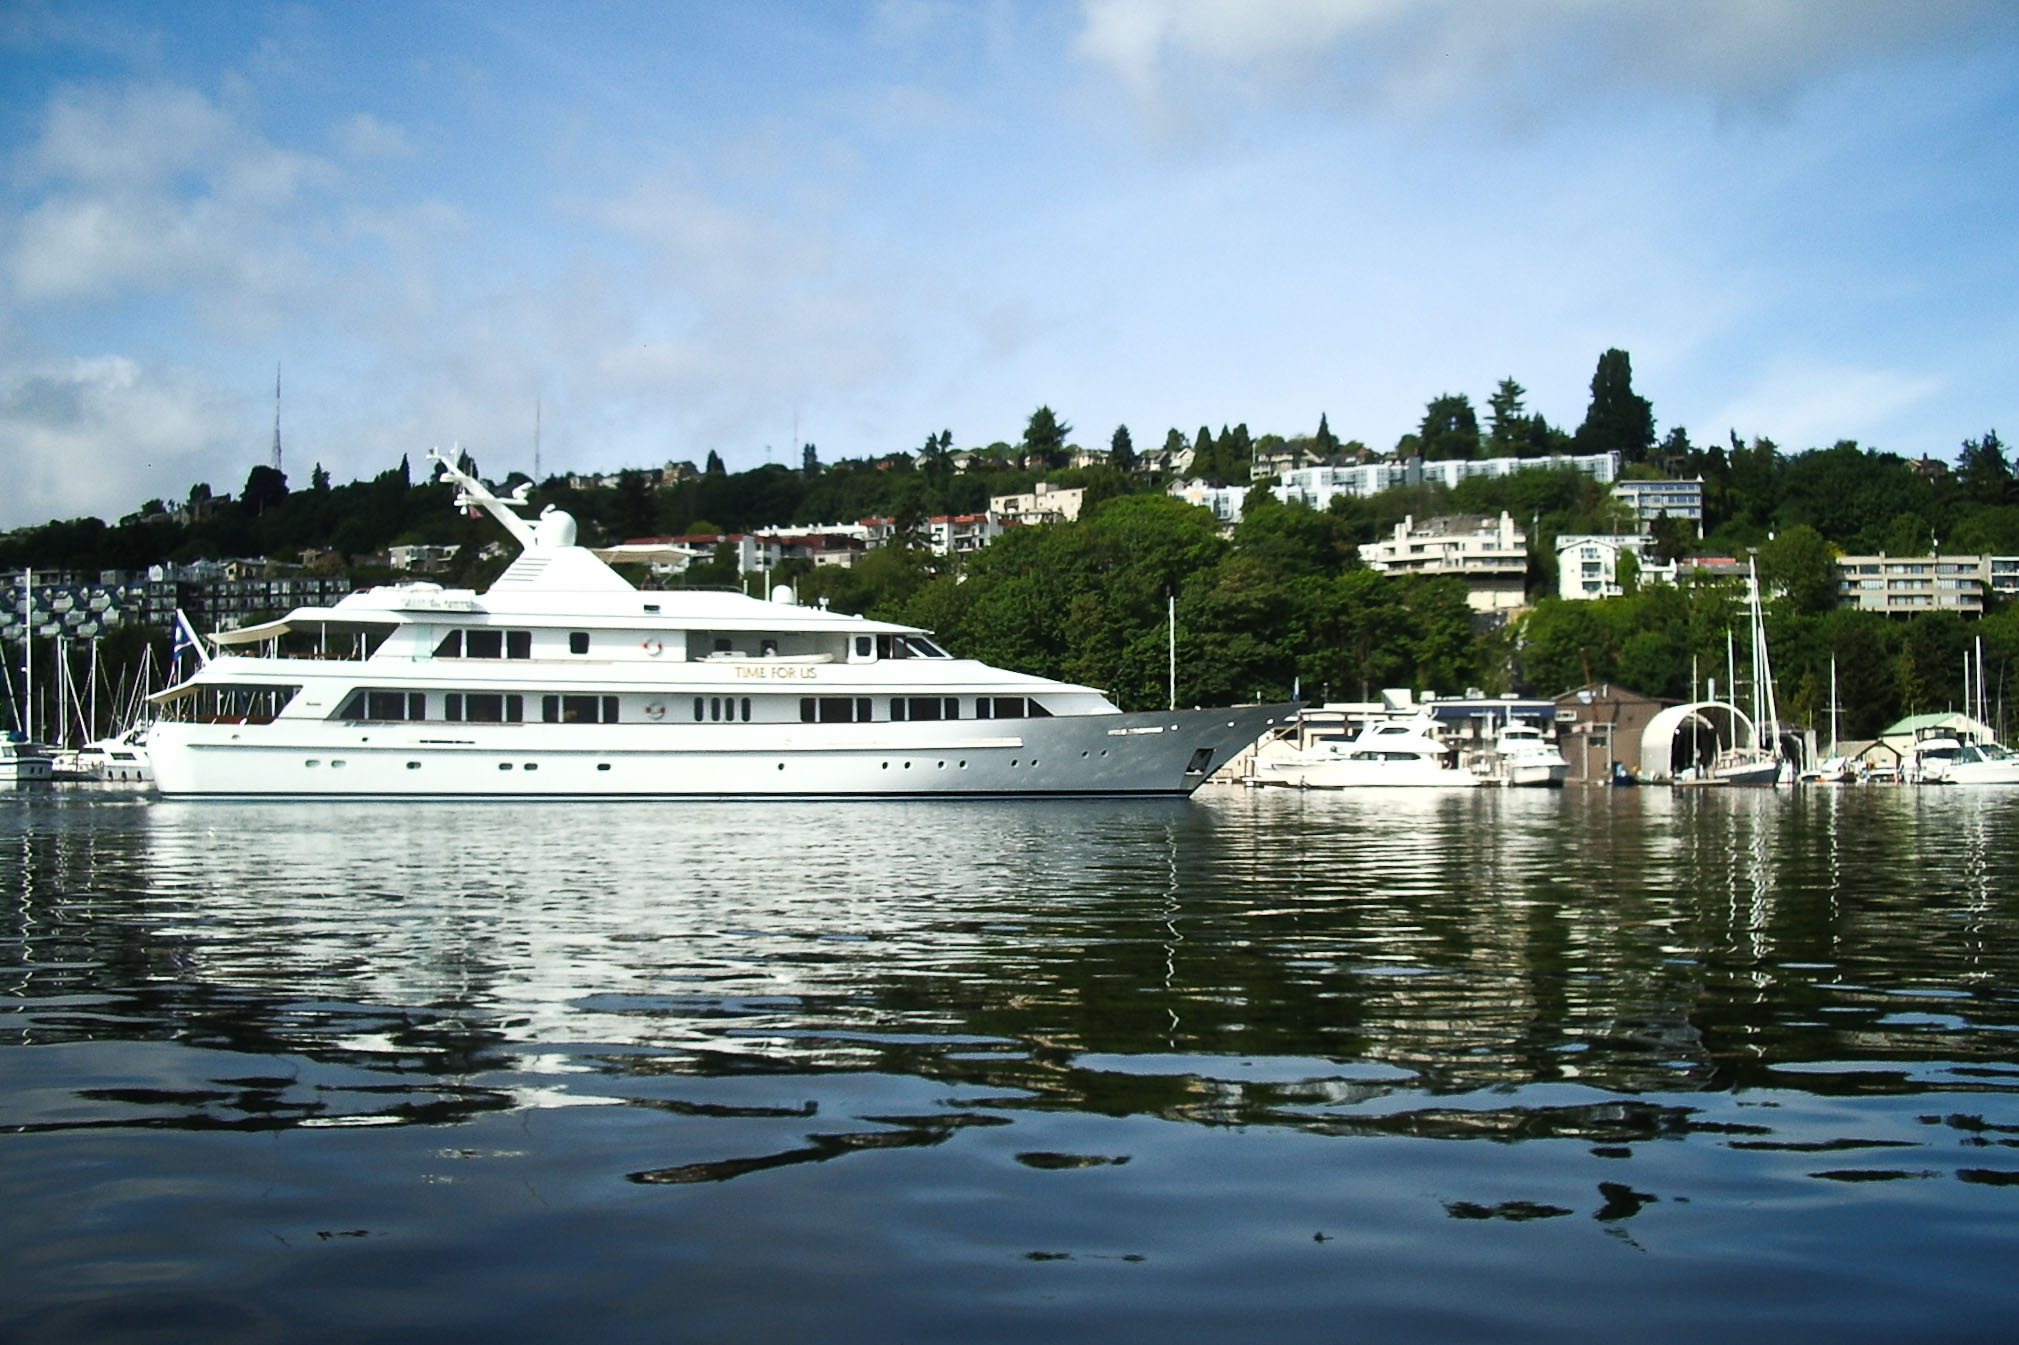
413, 765
602, 765
311, 763
531, 766
336, 765
504, 765
781, 765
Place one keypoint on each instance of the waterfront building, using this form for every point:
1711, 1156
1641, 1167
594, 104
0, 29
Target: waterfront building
1600, 724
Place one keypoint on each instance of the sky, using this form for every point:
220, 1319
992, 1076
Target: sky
620, 234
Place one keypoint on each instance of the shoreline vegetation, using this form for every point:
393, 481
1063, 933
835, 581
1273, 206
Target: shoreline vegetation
1282, 602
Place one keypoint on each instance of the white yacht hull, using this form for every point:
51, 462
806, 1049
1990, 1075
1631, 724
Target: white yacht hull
1151, 753
1540, 774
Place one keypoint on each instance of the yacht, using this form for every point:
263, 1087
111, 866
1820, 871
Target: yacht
563, 680
120, 759
20, 763
1522, 755
1388, 753
1969, 763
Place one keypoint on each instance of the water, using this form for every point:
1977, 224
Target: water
1298, 1067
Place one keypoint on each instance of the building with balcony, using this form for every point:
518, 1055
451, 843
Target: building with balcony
1905, 585
1650, 500
1490, 555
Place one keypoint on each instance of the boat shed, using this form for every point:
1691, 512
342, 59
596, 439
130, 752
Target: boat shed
1691, 735
1599, 724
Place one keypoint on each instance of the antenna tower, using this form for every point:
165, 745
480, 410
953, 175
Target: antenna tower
276, 418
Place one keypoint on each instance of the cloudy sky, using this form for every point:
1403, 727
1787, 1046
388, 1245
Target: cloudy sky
677, 227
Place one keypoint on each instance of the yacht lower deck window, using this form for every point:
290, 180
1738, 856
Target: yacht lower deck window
834, 709
578, 709
903, 708
385, 705
1009, 707
483, 707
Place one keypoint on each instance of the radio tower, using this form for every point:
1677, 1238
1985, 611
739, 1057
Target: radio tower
276, 418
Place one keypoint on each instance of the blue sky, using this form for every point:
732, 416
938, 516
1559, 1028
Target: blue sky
677, 228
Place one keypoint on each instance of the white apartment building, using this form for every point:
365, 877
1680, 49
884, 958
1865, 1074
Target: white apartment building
1316, 486
1649, 500
1490, 555
1587, 564
1224, 501
1046, 503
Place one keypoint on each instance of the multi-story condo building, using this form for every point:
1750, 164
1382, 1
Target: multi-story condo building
1904, 585
1490, 555
1650, 500
1316, 486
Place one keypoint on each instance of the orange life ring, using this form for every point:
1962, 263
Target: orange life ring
655, 711
652, 648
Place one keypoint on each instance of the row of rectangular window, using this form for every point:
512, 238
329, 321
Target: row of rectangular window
478, 707
859, 709
486, 643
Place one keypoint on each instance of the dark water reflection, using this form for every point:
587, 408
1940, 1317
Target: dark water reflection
1518, 1066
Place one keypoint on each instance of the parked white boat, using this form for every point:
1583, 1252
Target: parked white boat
1524, 756
121, 759
1384, 754
20, 763
1970, 764
564, 680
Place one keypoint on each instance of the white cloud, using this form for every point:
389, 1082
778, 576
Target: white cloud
1425, 56
97, 436
154, 187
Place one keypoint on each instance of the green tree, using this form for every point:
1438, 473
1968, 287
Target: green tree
1618, 419
1450, 429
1122, 450
1505, 419
1982, 468
1044, 442
1800, 564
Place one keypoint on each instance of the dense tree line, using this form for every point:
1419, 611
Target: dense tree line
1283, 602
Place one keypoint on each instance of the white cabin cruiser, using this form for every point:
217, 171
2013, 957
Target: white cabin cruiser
562, 680
1384, 754
1523, 755
1970, 764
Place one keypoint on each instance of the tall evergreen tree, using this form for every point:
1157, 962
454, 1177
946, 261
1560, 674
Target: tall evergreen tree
1044, 442
1450, 429
1122, 450
1619, 419
1325, 443
1506, 423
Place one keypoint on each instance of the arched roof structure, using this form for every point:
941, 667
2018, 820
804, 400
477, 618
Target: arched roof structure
1691, 735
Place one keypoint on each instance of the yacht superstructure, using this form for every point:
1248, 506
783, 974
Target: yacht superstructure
564, 680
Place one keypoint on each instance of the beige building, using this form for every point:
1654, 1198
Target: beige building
1490, 555
1904, 585
1046, 503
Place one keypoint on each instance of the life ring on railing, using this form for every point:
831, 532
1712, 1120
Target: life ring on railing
652, 648
655, 711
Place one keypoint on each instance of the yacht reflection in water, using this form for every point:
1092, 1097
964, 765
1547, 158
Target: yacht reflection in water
1485, 964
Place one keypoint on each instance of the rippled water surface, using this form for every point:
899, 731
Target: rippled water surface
1261, 1066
